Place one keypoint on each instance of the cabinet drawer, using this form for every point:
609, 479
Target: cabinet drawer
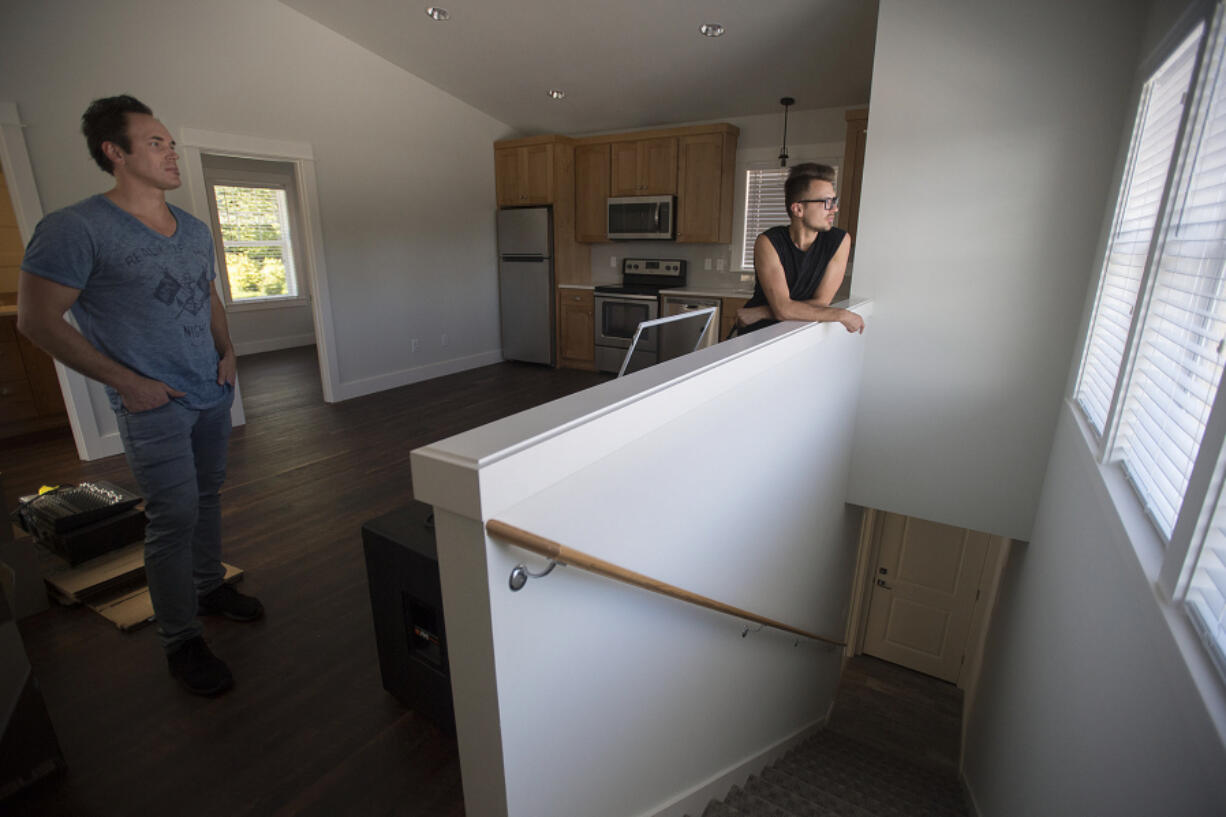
16, 401
11, 367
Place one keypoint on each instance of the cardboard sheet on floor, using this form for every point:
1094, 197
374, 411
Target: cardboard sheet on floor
113, 585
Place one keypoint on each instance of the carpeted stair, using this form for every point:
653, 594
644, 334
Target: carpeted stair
832, 774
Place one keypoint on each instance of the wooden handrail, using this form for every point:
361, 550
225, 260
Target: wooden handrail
577, 558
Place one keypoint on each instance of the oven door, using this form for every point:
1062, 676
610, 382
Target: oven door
617, 318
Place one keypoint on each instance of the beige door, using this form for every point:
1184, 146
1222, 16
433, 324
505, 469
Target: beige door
924, 589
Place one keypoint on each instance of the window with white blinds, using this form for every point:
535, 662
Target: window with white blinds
764, 206
1149, 160
1183, 330
1152, 371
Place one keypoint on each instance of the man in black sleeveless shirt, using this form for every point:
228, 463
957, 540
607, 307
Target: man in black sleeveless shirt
800, 266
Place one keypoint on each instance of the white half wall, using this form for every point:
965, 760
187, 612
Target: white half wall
1086, 704
580, 695
989, 165
405, 171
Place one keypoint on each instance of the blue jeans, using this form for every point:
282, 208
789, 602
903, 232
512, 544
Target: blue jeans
178, 457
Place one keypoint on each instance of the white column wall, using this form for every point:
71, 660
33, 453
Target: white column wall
991, 149
579, 695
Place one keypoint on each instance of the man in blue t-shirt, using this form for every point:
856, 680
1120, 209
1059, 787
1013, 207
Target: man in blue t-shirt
137, 274
799, 266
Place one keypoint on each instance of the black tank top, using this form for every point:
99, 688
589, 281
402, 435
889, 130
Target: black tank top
803, 269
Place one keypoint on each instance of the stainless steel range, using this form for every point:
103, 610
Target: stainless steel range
621, 308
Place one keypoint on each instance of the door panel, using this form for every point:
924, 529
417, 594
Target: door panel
926, 585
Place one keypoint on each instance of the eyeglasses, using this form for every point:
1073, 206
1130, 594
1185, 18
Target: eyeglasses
829, 203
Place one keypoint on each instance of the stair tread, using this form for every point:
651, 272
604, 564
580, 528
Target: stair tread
717, 808
870, 792
754, 806
840, 749
801, 800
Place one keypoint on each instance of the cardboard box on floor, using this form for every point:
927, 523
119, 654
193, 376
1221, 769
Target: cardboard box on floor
113, 585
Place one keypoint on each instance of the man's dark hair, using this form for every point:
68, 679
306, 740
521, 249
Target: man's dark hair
106, 120
799, 178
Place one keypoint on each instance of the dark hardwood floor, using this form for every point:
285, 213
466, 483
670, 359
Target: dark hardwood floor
308, 728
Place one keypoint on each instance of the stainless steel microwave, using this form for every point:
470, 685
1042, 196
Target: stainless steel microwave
642, 217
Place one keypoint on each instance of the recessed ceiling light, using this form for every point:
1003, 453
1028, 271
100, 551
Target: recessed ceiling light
437, 14
556, 93
711, 29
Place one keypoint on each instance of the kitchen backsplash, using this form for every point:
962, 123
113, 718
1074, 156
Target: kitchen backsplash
607, 261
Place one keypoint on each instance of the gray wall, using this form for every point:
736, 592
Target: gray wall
1085, 704
985, 184
405, 171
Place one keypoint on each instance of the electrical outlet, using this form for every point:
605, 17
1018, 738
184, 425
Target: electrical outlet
613, 261
443, 340
706, 264
719, 264
413, 345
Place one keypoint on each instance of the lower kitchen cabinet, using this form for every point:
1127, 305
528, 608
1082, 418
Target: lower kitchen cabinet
576, 329
30, 397
727, 315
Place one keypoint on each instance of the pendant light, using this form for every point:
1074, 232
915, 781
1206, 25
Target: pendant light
786, 102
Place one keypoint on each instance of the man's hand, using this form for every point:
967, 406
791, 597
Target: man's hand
851, 321
144, 394
227, 368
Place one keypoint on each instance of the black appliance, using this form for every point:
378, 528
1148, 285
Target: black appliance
406, 600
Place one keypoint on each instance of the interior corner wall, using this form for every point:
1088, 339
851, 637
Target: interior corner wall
988, 168
404, 170
1085, 704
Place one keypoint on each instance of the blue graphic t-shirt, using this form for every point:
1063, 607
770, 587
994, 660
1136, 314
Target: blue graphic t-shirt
145, 297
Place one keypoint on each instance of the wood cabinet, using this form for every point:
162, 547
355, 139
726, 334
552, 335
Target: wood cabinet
849, 185
592, 192
644, 167
30, 397
576, 329
705, 168
727, 315
524, 175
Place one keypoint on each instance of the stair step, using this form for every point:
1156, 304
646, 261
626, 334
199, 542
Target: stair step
874, 789
842, 750
800, 800
717, 809
753, 806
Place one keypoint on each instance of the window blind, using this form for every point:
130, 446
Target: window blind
764, 207
1149, 158
1182, 341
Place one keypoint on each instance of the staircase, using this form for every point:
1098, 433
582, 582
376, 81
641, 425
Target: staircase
889, 751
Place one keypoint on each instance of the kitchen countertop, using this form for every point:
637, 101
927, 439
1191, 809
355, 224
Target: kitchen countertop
714, 291
8, 310
576, 286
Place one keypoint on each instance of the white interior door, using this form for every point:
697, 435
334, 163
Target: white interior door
925, 585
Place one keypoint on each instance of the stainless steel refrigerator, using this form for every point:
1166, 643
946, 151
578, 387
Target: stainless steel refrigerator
525, 283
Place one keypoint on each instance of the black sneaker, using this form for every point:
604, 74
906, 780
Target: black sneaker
198, 670
228, 602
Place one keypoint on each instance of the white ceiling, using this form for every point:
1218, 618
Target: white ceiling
623, 64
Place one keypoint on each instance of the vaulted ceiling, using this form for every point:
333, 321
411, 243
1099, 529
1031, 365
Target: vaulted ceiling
623, 64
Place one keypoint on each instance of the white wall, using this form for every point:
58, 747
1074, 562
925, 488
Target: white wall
579, 695
989, 163
405, 171
1085, 704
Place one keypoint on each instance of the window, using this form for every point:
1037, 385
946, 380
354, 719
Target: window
1152, 366
252, 203
764, 207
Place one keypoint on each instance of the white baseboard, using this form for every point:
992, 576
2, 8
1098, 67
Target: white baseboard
253, 347
716, 787
349, 389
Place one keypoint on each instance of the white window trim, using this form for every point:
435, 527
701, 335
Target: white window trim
1166, 565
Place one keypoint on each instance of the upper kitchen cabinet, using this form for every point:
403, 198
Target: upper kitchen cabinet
524, 174
592, 192
705, 169
853, 170
645, 167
